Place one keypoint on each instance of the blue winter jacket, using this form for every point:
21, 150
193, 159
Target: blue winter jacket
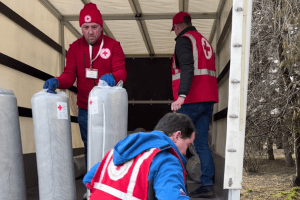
165, 179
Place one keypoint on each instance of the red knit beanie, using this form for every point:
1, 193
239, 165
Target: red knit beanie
90, 13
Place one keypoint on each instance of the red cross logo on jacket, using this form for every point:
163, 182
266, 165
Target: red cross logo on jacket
105, 53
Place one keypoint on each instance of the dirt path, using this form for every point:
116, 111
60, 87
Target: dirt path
273, 177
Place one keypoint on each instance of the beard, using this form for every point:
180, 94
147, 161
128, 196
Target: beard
91, 42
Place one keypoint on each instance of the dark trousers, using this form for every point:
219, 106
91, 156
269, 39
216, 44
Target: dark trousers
200, 114
82, 121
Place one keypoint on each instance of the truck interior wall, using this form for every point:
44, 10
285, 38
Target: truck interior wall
69, 37
222, 60
219, 125
225, 13
26, 59
214, 43
41, 18
223, 103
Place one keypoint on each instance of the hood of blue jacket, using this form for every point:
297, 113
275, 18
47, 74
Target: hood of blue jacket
134, 144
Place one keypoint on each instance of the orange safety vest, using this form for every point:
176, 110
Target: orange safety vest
126, 181
204, 86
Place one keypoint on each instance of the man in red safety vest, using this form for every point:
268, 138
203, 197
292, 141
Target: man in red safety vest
195, 90
145, 165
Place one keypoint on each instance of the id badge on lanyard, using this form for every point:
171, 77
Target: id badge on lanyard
90, 72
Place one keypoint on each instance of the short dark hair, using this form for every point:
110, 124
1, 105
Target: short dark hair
173, 122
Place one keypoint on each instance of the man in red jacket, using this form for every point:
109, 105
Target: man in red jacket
195, 90
89, 58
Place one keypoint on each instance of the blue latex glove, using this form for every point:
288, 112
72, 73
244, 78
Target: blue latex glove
51, 84
109, 79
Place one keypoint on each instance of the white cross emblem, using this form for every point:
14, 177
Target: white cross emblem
206, 48
105, 53
87, 18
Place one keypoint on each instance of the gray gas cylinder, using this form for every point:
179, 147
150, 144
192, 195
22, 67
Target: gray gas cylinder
107, 120
12, 178
53, 144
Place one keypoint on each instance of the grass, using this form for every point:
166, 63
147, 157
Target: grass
293, 194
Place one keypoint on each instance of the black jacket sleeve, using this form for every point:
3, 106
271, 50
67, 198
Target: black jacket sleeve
184, 61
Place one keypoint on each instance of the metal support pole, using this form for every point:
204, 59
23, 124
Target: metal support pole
234, 194
136, 9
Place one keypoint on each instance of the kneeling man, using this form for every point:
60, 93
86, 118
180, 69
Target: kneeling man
145, 165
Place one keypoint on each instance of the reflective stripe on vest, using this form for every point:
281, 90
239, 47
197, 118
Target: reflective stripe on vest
114, 192
105, 165
197, 71
174, 67
117, 193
